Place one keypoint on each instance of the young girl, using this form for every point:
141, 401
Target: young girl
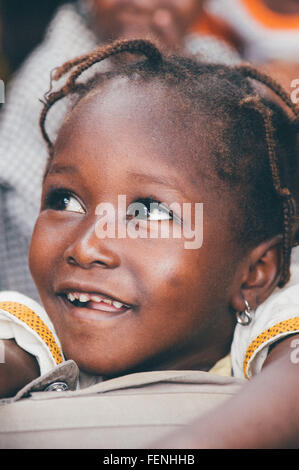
164, 133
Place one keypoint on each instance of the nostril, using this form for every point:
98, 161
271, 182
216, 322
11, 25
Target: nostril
71, 260
101, 263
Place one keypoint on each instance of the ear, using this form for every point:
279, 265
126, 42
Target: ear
259, 274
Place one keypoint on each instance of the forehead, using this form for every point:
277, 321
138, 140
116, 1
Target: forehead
147, 121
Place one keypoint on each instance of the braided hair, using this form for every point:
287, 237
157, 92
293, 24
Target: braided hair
253, 137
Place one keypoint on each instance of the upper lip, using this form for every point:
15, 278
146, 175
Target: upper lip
68, 287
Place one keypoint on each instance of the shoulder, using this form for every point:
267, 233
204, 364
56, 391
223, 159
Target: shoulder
25, 321
274, 320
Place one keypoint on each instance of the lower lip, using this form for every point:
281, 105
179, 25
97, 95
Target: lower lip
87, 313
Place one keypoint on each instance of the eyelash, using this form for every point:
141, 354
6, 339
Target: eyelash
147, 204
57, 199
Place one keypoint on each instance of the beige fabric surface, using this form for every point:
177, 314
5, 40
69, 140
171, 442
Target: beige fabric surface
129, 412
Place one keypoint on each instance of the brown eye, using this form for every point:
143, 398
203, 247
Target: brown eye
62, 200
149, 209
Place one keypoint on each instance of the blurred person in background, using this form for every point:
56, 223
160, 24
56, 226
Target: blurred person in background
75, 29
3, 62
265, 32
262, 30
23, 25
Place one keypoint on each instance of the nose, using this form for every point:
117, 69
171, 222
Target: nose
88, 250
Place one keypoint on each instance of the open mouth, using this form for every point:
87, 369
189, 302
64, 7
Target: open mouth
96, 302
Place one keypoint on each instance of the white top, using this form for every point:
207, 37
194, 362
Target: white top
266, 35
29, 327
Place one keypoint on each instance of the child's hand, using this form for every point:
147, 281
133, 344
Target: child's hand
18, 369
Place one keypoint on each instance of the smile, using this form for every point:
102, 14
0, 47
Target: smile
96, 302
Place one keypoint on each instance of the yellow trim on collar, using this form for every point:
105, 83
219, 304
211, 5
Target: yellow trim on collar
31, 319
291, 325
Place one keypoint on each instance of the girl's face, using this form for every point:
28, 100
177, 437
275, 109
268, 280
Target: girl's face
171, 305
168, 20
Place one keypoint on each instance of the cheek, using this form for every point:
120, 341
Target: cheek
170, 272
45, 248
187, 280
178, 302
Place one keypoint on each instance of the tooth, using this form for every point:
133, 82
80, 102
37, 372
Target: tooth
107, 301
84, 298
96, 298
71, 297
117, 304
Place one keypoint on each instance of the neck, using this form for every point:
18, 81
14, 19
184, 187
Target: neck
200, 361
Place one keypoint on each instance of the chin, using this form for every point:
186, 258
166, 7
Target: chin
105, 367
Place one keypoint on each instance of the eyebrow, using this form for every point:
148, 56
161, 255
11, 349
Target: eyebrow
162, 180
56, 169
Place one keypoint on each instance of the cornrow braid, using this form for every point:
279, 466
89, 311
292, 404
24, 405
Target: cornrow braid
84, 62
289, 211
285, 194
250, 72
218, 90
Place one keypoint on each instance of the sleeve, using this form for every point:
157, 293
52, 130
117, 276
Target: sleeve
25, 321
276, 318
